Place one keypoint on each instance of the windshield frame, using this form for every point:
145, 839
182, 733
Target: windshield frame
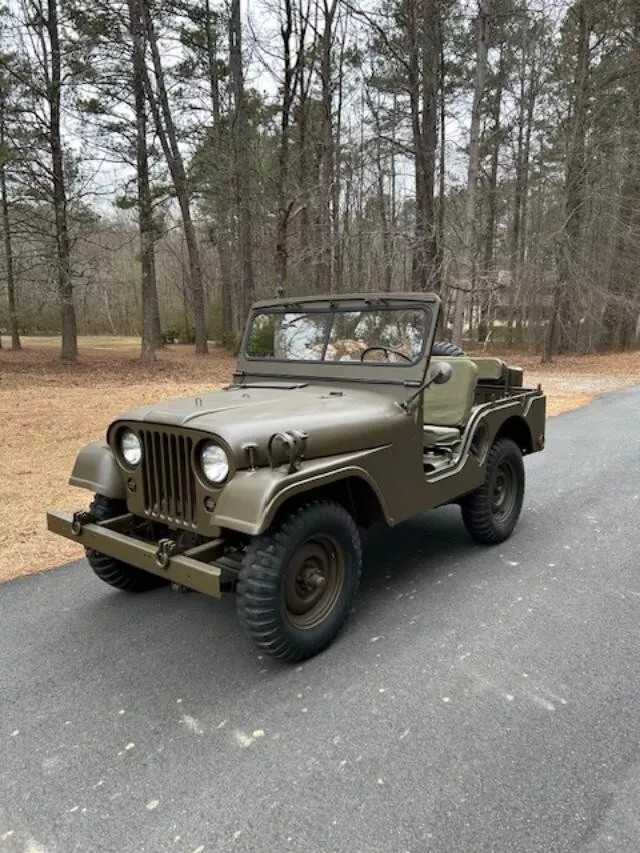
332, 313
370, 371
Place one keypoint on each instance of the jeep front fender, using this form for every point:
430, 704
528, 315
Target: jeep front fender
96, 469
252, 498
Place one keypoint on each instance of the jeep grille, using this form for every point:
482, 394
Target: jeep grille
168, 478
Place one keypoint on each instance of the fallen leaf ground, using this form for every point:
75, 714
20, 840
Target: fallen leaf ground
48, 412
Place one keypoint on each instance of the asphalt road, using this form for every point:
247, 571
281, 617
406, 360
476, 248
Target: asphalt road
480, 699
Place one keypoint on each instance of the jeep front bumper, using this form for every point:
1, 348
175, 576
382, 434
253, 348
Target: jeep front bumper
189, 568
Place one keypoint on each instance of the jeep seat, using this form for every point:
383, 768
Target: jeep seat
491, 369
437, 435
447, 407
498, 372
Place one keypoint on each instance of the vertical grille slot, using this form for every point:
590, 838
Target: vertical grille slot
172, 508
169, 486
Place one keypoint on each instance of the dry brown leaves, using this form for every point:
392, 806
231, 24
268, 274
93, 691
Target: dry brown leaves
573, 381
48, 412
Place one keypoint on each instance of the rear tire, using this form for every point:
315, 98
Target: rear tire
114, 572
298, 581
491, 512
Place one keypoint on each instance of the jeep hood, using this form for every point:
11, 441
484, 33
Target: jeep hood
335, 420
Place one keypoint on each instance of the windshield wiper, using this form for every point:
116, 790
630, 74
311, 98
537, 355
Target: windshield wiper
278, 387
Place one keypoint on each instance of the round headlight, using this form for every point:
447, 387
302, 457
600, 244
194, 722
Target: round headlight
214, 462
130, 448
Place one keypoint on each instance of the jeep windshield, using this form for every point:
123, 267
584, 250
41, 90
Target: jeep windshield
392, 335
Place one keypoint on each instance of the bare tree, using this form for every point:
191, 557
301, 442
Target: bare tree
166, 129
473, 169
5, 158
54, 87
527, 92
382, 198
488, 270
40, 75
421, 22
326, 271
241, 165
291, 67
151, 333
559, 330
222, 201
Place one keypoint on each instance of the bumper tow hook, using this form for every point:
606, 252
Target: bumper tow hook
80, 518
167, 548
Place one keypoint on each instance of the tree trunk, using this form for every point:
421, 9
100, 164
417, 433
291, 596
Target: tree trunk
303, 176
488, 263
165, 127
468, 267
63, 246
620, 319
326, 272
522, 278
422, 77
6, 227
222, 201
151, 332
387, 254
338, 248
527, 98
382, 206
284, 206
241, 166
439, 225
360, 275
429, 137
559, 332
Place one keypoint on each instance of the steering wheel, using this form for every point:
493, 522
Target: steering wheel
386, 351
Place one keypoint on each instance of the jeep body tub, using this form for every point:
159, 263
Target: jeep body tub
336, 402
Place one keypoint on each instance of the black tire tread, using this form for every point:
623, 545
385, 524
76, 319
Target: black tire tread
260, 576
114, 572
476, 507
446, 348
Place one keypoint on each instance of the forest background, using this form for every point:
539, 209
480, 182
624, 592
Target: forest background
165, 162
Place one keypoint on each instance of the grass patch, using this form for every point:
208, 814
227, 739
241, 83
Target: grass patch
85, 342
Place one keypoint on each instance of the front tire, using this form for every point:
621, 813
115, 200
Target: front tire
298, 581
114, 572
491, 512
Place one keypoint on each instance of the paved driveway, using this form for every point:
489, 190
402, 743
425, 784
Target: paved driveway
479, 699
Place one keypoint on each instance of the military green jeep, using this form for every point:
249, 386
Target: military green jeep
342, 412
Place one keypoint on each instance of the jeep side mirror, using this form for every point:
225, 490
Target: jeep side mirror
442, 373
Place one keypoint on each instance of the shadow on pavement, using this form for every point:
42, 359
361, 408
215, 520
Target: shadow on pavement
125, 637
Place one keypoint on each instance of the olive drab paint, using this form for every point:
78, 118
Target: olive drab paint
385, 437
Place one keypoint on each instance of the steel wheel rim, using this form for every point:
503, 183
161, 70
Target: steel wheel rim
313, 582
503, 492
